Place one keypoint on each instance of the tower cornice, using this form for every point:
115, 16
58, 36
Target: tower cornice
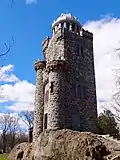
39, 64
56, 65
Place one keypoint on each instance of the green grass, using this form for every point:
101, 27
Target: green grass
3, 156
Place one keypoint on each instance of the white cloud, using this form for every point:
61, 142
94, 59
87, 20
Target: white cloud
31, 1
21, 94
15, 96
106, 33
17, 92
6, 74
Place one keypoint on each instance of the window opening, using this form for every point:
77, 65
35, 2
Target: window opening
73, 27
77, 29
74, 90
78, 49
45, 121
80, 91
62, 25
67, 26
51, 87
84, 92
82, 51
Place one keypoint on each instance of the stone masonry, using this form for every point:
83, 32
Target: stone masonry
65, 96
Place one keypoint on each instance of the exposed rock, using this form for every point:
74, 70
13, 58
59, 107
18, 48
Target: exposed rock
67, 145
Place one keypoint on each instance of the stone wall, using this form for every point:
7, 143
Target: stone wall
81, 73
55, 49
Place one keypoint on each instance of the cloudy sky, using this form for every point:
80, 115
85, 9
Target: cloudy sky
29, 21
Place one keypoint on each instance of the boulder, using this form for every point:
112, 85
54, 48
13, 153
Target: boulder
67, 145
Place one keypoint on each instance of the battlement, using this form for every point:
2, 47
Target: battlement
39, 64
78, 31
56, 65
86, 34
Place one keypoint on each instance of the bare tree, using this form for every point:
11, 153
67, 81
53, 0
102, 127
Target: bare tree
13, 130
4, 126
27, 117
21, 137
8, 47
9, 127
115, 104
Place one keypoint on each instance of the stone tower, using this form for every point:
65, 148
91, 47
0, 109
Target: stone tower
65, 94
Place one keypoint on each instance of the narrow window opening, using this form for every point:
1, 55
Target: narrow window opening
82, 51
62, 25
51, 87
79, 91
74, 90
73, 27
77, 29
67, 26
78, 49
84, 91
45, 121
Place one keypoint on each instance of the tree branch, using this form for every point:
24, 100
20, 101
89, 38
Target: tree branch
7, 48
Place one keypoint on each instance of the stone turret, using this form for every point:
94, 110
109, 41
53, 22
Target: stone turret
39, 100
65, 87
56, 104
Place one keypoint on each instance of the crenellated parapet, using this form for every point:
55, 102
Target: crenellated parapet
56, 65
67, 21
39, 65
86, 34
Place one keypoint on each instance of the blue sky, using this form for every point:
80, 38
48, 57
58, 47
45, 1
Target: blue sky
30, 21
29, 24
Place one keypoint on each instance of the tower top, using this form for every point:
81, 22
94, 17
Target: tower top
66, 18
